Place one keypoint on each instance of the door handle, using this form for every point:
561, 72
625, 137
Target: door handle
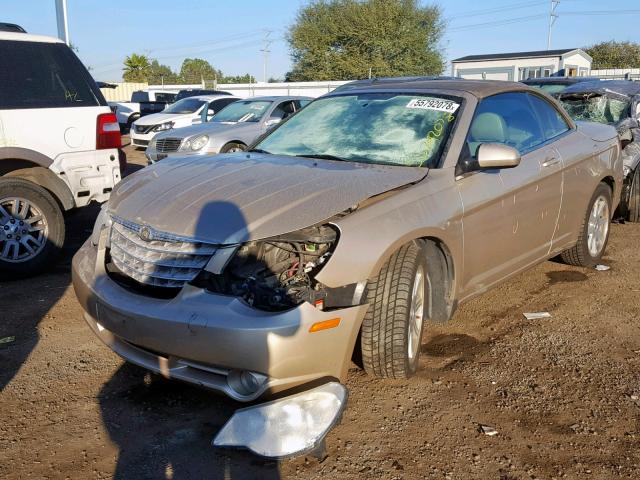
551, 161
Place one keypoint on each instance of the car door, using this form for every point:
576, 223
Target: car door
561, 137
509, 214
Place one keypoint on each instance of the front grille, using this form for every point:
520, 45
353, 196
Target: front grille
163, 261
165, 145
144, 128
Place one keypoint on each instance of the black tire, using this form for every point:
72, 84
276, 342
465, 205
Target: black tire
579, 255
42, 200
233, 146
385, 329
633, 202
130, 121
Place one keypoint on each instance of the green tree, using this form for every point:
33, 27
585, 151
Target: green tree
246, 78
614, 54
136, 68
161, 74
194, 70
343, 39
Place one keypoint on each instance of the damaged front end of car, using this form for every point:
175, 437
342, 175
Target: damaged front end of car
278, 273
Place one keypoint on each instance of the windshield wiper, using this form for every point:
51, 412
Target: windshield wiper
323, 156
259, 150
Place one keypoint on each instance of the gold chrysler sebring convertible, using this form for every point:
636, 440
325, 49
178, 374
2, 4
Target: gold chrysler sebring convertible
371, 212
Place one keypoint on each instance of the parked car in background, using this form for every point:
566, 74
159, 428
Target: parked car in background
152, 101
182, 113
59, 148
369, 213
617, 103
556, 85
197, 92
230, 130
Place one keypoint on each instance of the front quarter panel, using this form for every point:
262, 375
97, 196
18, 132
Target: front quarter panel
369, 236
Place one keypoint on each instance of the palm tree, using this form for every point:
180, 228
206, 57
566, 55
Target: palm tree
136, 68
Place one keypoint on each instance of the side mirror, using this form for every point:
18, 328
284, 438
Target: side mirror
497, 155
272, 121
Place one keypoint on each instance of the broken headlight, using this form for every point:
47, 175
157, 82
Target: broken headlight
276, 273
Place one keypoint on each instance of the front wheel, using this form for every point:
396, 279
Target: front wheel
392, 328
233, 147
594, 233
31, 228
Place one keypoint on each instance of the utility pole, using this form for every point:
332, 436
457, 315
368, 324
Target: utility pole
63, 24
265, 51
553, 16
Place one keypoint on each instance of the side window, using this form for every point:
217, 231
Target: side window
507, 118
283, 110
140, 96
44, 75
165, 97
553, 124
300, 104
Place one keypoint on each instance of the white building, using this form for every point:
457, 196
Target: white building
516, 66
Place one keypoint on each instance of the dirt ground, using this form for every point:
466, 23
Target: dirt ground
563, 393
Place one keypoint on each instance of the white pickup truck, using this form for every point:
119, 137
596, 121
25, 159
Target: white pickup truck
153, 101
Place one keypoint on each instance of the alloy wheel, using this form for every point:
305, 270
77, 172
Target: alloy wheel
598, 227
416, 314
23, 230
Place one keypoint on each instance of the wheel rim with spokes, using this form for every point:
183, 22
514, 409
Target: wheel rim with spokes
598, 227
416, 314
236, 148
23, 230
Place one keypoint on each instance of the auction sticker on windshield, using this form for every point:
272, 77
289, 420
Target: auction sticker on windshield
430, 103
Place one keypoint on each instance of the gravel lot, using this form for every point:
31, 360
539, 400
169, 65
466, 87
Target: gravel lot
563, 393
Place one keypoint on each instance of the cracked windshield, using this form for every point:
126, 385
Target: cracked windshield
403, 130
596, 108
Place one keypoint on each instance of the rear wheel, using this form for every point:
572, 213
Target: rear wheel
233, 147
633, 206
31, 228
392, 328
594, 233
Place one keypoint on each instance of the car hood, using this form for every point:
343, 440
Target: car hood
238, 197
210, 128
157, 118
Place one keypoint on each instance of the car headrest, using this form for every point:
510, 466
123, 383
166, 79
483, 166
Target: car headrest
489, 127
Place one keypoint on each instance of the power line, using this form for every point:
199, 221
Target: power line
498, 22
103, 68
604, 12
504, 8
197, 46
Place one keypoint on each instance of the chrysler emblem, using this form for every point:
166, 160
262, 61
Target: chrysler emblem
145, 234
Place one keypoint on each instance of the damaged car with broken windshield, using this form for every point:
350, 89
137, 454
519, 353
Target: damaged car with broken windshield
343, 233
616, 103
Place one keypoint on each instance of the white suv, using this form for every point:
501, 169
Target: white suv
59, 148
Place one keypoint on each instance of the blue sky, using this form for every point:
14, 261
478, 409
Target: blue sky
229, 34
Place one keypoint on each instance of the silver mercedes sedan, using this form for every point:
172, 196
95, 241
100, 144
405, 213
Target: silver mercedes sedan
231, 129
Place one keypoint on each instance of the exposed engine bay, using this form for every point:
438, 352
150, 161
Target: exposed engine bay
277, 273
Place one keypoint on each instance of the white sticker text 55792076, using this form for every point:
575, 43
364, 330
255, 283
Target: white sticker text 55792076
430, 103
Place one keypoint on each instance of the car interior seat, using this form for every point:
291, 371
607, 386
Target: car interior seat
487, 127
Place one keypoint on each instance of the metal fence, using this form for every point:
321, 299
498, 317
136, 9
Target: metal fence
617, 74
